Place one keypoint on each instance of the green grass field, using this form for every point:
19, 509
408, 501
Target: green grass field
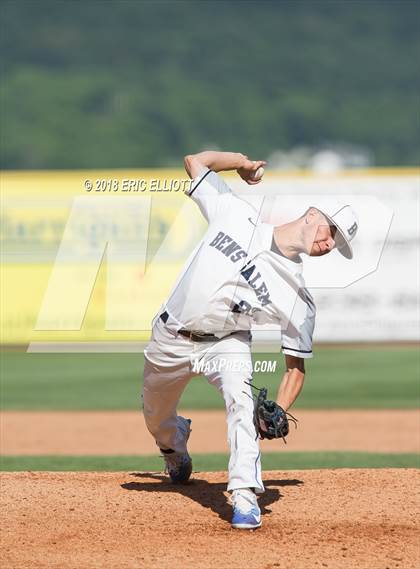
376, 377
211, 462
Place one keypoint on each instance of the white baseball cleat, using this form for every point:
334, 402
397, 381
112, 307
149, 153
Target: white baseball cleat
246, 512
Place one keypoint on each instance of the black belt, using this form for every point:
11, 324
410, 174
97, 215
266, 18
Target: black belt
194, 336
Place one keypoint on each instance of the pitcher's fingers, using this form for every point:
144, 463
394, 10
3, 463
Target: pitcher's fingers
258, 164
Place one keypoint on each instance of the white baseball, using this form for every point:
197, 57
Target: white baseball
258, 174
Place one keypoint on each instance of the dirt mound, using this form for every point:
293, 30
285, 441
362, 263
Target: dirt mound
365, 519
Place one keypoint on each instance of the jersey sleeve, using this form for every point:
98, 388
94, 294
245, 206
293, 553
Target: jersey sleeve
209, 191
297, 337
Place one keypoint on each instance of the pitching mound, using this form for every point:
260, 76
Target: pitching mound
336, 519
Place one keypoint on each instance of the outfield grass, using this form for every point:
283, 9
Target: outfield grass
211, 462
377, 377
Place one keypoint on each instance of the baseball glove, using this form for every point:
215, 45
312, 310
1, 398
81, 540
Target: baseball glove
270, 420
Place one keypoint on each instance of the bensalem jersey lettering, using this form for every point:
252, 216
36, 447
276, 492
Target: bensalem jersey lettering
235, 279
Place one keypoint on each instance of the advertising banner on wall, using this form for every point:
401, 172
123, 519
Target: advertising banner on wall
89, 257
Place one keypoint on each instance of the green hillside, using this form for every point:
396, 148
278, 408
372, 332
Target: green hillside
141, 83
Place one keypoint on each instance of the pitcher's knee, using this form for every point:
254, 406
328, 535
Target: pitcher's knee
237, 400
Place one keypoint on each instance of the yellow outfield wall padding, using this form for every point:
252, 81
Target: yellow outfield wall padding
125, 245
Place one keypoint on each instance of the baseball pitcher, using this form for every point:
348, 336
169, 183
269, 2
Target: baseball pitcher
243, 272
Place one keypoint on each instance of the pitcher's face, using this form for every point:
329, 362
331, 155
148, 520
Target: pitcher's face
324, 241
320, 235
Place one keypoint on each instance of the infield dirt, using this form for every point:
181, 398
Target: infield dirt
124, 432
365, 519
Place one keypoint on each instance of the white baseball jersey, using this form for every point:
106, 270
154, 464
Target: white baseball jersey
236, 277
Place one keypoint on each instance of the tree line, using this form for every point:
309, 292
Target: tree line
122, 84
